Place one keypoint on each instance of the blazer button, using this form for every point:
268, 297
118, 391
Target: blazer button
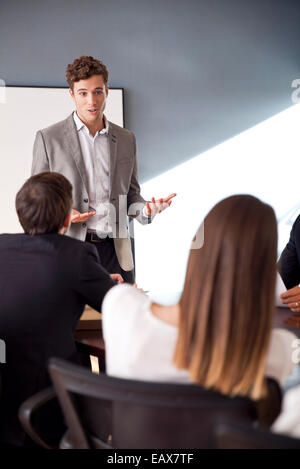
85, 201
83, 225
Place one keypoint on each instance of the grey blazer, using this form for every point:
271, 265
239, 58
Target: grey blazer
57, 148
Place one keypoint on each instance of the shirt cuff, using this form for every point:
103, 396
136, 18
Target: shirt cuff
145, 214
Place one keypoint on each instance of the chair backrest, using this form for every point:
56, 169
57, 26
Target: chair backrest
107, 412
237, 436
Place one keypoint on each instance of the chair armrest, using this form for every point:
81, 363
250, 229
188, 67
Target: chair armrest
29, 407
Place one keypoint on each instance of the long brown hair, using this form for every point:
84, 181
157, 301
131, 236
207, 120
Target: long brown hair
226, 308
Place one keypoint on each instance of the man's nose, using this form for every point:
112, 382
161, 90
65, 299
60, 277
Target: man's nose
91, 99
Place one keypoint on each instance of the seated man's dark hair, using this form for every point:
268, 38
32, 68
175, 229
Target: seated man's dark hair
43, 203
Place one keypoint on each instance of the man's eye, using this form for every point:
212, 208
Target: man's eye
82, 93
98, 92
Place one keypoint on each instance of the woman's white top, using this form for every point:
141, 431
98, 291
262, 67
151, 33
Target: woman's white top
138, 345
288, 421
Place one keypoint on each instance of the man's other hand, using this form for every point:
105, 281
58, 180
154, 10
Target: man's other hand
117, 277
291, 298
78, 217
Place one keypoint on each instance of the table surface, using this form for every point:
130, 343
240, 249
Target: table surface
89, 331
287, 320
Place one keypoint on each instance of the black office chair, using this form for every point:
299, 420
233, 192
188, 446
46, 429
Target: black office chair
105, 412
238, 436
28, 411
44, 405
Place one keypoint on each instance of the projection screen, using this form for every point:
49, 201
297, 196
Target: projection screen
23, 111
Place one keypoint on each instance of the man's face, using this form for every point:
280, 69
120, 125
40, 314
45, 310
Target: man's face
90, 98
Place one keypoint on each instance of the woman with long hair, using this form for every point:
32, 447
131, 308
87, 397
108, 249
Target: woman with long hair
219, 333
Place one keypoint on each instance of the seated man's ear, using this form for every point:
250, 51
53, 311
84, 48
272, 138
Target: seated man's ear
67, 223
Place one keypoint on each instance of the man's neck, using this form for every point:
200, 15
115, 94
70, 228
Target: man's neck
94, 128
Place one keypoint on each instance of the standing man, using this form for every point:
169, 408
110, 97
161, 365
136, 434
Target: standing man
99, 159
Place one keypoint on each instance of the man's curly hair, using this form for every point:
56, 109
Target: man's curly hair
84, 67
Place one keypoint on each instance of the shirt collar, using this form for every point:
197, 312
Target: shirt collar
79, 124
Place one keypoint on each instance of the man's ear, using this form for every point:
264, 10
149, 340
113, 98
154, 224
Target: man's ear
106, 89
67, 221
71, 93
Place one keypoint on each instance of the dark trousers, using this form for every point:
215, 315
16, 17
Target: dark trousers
108, 257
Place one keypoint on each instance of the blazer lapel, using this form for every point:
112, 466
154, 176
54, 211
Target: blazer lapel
75, 149
113, 144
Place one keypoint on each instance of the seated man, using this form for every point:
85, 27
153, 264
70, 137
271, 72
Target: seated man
46, 279
289, 269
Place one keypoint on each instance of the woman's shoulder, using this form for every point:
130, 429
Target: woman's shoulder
123, 297
122, 307
280, 361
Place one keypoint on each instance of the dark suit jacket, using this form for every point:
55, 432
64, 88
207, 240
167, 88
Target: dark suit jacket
289, 262
45, 282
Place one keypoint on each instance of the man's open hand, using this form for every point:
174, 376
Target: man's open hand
291, 298
78, 217
158, 205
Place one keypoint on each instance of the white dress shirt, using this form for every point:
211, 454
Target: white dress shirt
96, 157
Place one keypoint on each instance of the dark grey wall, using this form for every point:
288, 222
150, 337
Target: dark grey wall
195, 72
